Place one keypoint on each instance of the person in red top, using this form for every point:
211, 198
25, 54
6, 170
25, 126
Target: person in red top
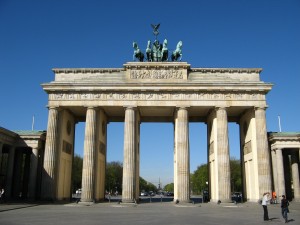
274, 197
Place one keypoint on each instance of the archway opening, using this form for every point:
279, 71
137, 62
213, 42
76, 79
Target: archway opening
198, 161
157, 160
236, 179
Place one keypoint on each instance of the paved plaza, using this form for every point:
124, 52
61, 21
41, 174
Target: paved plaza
144, 213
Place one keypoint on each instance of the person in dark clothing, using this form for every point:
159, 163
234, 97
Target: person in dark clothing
284, 208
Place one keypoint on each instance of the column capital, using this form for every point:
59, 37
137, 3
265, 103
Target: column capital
91, 107
260, 107
219, 108
52, 107
134, 107
182, 107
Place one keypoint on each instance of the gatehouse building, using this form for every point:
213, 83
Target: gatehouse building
141, 92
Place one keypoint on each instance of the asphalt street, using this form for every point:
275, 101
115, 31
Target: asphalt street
144, 213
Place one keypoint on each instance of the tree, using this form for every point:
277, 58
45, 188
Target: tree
77, 172
199, 179
114, 176
235, 172
147, 186
169, 187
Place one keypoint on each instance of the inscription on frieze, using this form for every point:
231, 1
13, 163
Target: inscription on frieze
156, 74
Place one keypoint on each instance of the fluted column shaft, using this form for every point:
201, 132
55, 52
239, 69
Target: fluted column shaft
280, 173
223, 156
88, 170
50, 157
263, 155
9, 172
183, 155
275, 169
1, 145
129, 173
295, 174
33, 173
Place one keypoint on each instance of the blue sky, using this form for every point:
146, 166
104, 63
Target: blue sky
36, 36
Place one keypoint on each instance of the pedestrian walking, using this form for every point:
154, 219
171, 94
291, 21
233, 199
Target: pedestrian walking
284, 208
264, 203
1, 195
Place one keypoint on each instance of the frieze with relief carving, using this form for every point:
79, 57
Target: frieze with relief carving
133, 96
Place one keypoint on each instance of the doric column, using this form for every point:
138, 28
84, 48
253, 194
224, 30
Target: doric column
25, 177
88, 170
1, 145
182, 155
17, 174
295, 174
274, 167
33, 174
280, 173
10, 171
129, 167
223, 156
50, 158
263, 155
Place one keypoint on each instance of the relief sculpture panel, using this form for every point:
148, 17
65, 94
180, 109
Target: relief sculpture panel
132, 96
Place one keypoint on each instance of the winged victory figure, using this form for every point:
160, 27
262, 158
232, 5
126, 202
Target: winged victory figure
155, 29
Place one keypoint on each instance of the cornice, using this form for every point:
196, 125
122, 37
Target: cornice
156, 65
167, 65
87, 70
226, 70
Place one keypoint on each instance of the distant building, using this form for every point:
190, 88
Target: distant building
21, 163
285, 148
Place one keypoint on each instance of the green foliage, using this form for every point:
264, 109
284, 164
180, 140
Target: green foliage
77, 172
169, 187
113, 178
235, 172
199, 179
147, 186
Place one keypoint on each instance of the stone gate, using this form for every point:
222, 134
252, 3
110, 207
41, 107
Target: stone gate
156, 91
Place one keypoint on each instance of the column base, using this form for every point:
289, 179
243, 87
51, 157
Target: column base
86, 203
296, 200
219, 201
128, 201
178, 201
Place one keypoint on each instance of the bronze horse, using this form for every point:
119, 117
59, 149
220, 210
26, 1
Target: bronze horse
137, 53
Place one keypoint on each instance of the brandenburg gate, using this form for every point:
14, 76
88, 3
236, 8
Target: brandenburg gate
156, 92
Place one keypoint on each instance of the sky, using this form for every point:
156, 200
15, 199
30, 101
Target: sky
36, 36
